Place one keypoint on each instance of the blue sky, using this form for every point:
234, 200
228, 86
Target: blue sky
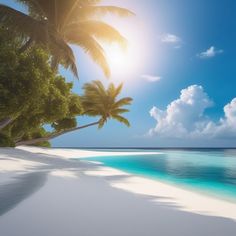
181, 45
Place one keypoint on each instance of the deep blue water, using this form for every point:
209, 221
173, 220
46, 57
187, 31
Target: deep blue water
212, 172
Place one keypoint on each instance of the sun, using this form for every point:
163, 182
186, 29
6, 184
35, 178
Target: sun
126, 63
116, 57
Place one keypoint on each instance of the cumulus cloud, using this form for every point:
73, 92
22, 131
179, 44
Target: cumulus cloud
171, 39
151, 78
185, 118
210, 52
226, 126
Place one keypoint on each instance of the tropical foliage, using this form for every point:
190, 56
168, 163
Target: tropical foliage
96, 102
33, 95
57, 24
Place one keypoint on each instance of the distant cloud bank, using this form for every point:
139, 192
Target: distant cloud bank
185, 118
151, 78
210, 52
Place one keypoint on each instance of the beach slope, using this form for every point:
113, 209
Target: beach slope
47, 192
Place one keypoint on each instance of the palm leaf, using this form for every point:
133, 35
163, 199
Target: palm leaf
113, 92
122, 102
72, 21
90, 46
95, 90
97, 84
119, 111
89, 2
99, 101
24, 24
121, 119
62, 53
35, 8
99, 30
99, 11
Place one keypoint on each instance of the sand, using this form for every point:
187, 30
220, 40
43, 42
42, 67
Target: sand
48, 192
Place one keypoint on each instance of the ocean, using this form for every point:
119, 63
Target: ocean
209, 171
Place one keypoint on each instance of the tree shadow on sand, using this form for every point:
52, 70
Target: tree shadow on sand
23, 185
16, 191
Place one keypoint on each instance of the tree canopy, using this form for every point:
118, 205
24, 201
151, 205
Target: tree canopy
56, 24
33, 95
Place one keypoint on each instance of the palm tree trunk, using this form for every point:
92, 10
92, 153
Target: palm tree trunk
54, 135
26, 45
5, 122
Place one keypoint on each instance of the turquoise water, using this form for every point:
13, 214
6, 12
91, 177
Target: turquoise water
211, 172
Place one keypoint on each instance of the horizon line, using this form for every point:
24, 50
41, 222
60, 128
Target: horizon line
150, 147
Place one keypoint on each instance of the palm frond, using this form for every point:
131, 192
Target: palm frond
99, 86
92, 113
73, 21
62, 53
35, 8
22, 23
89, 2
113, 92
122, 102
90, 46
41, 9
121, 119
100, 30
95, 90
99, 101
99, 11
119, 111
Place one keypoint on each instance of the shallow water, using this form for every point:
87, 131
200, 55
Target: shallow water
211, 171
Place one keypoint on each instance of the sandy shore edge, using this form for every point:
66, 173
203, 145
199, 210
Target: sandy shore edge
80, 153
160, 192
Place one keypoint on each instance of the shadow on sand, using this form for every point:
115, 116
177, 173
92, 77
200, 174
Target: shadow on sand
90, 205
27, 182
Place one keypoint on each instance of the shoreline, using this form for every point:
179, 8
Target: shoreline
223, 197
183, 198
80, 153
33, 159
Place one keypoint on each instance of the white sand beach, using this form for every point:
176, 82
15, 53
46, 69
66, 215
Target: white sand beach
47, 192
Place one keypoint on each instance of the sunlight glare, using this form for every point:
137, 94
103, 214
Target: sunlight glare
126, 63
119, 58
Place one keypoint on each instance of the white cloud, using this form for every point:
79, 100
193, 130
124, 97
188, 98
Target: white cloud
185, 118
171, 39
226, 126
210, 52
151, 78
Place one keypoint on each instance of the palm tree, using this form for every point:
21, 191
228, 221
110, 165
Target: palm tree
96, 101
56, 24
